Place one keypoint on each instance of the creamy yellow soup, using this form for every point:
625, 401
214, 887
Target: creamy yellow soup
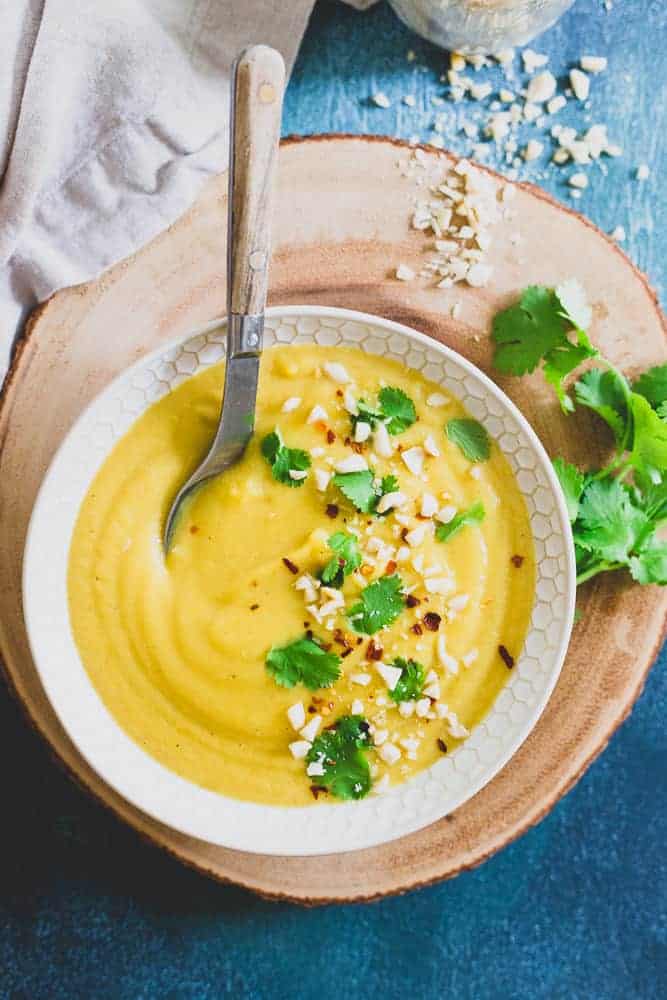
177, 648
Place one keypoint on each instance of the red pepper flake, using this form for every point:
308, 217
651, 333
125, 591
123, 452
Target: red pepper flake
340, 393
374, 652
309, 634
359, 641
432, 621
442, 745
416, 628
358, 447
390, 567
332, 510
253, 607
404, 534
292, 567
312, 709
341, 638
506, 657
194, 528
517, 561
346, 652
411, 601
316, 789
331, 437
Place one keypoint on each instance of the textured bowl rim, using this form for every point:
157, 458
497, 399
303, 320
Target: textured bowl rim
186, 807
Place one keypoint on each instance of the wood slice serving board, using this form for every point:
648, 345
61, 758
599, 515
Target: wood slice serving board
341, 227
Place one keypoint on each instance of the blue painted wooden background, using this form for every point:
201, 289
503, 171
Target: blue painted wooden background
578, 907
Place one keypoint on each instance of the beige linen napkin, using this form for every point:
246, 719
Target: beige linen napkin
112, 115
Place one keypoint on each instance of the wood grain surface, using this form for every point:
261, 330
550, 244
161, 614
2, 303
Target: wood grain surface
340, 228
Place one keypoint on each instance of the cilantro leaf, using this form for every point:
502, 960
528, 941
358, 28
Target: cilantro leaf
381, 603
609, 523
303, 661
340, 753
651, 495
410, 684
394, 407
470, 437
607, 393
345, 560
358, 488
649, 443
526, 332
572, 484
536, 329
283, 460
398, 408
362, 490
650, 564
474, 515
652, 385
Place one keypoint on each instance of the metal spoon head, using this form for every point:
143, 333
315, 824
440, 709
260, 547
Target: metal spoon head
237, 417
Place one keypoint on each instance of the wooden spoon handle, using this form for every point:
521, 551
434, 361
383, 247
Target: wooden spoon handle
257, 91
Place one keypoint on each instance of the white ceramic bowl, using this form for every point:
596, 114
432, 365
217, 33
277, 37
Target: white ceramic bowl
323, 828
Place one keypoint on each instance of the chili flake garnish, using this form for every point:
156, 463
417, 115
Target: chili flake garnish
332, 510
253, 607
432, 621
506, 657
374, 652
517, 561
292, 567
316, 789
442, 745
416, 628
331, 437
411, 601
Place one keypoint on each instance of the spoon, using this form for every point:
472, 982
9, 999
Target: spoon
256, 100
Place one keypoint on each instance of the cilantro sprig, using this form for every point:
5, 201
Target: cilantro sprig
284, 460
363, 490
473, 515
613, 525
394, 408
615, 512
346, 558
303, 661
380, 605
340, 753
410, 684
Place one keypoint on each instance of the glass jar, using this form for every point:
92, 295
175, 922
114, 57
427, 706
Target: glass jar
486, 26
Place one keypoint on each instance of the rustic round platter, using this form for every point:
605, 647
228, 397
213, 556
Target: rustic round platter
342, 226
